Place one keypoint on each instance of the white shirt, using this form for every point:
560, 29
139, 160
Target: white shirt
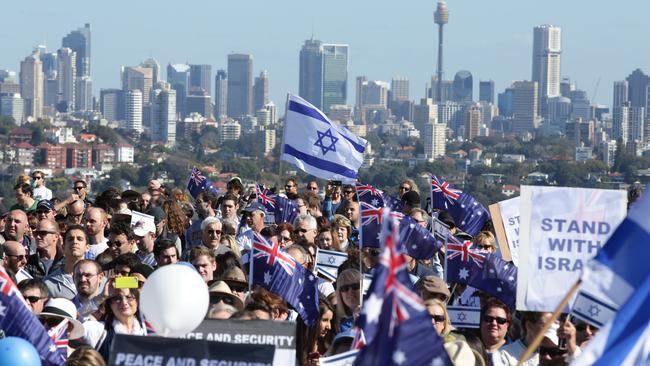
99, 248
42, 193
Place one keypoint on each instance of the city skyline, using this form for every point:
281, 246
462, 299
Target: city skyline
499, 51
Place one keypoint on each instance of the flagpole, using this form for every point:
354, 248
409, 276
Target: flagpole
540, 336
280, 165
360, 254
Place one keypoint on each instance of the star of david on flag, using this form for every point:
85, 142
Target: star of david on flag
469, 214
319, 146
276, 271
394, 320
17, 320
198, 182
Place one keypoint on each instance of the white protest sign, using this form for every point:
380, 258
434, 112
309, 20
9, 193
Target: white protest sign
561, 228
510, 217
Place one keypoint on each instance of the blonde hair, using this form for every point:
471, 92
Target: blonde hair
231, 243
85, 356
486, 238
435, 302
349, 275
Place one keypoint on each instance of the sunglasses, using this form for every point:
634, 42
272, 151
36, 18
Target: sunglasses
438, 318
238, 288
288, 186
348, 192
218, 232
551, 351
33, 299
19, 257
123, 299
78, 188
284, 239
226, 300
402, 188
489, 319
42, 233
583, 327
37, 178
50, 321
116, 243
346, 288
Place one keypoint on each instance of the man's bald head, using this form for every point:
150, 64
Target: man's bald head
15, 255
76, 208
47, 225
16, 225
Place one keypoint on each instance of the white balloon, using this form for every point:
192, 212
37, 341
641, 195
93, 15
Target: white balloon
174, 300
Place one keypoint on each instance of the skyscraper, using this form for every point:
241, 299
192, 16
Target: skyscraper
524, 106
261, 91
240, 85
486, 91
134, 110
440, 17
84, 97
155, 69
620, 93
434, 140
311, 73
79, 42
547, 47
178, 76
463, 87
473, 121
637, 87
67, 77
31, 84
201, 77
399, 88
335, 75
199, 101
112, 104
220, 94
140, 78
163, 116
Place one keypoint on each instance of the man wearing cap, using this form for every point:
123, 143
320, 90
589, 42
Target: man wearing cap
49, 250
145, 233
15, 259
24, 198
96, 222
222, 301
255, 217
41, 192
432, 287
411, 200
45, 210
89, 282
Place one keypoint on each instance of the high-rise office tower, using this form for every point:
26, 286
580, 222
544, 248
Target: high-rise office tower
240, 85
261, 91
335, 75
311, 73
620, 93
547, 47
399, 88
134, 110
201, 77
220, 94
155, 69
440, 17
31, 85
138, 78
434, 140
50, 89
48, 61
486, 91
79, 42
463, 87
12, 105
178, 76
199, 101
360, 81
163, 116
112, 104
67, 77
446, 87
84, 97
524, 106
580, 105
424, 113
636, 121
637, 88
473, 121
373, 93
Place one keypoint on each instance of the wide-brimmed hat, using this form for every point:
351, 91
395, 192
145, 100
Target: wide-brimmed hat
234, 275
433, 285
63, 308
222, 288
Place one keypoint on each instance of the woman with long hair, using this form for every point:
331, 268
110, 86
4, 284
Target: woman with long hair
348, 296
176, 221
313, 342
120, 315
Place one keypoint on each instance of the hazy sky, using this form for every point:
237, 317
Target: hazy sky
492, 39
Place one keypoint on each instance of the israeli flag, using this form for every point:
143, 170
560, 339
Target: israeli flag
318, 146
626, 339
619, 268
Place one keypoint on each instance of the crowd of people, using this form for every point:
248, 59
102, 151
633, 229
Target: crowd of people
66, 253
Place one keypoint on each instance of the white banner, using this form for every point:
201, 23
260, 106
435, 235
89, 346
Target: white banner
510, 216
561, 228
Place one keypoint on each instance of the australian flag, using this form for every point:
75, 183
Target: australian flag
484, 271
372, 204
59, 336
18, 321
284, 209
394, 321
420, 243
278, 272
469, 214
198, 182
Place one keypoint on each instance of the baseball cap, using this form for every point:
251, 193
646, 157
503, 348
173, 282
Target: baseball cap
255, 206
433, 285
45, 205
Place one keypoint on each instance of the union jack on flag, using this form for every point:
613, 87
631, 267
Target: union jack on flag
272, 252
265, 197
450, 194
59, 336
464, 251
363, 189
394, 320
372, 204
198, 182
469, 214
